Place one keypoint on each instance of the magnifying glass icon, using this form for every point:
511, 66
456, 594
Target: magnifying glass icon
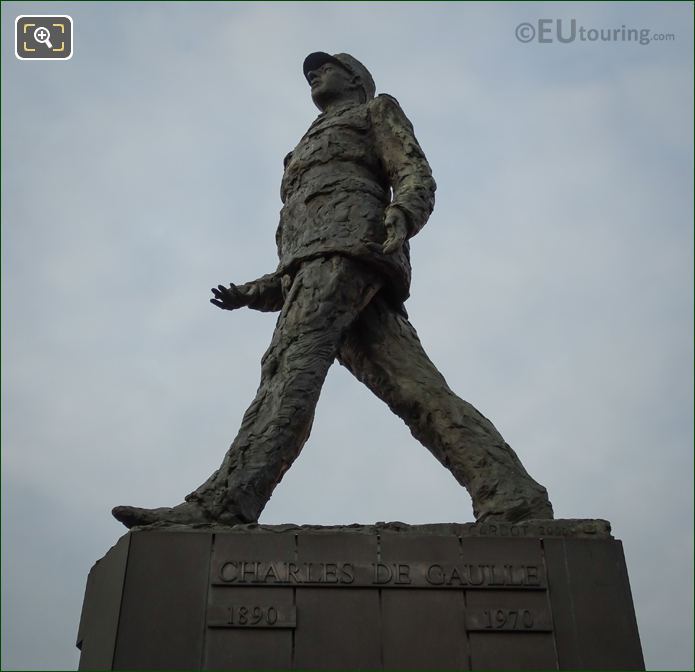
43, 36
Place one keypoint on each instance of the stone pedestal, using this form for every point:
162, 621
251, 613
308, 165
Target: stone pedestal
538, 595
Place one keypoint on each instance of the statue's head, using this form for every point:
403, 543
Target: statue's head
337, 78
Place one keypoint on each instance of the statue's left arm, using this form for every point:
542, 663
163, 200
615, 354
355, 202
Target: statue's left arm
407, 169
264, 294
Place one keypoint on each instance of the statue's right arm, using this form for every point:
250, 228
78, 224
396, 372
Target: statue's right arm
264, 294
404, 162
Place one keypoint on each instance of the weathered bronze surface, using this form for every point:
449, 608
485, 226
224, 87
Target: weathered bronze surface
355, 189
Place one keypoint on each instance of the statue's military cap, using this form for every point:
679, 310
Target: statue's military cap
345, 61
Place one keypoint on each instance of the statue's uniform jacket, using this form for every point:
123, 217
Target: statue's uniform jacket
350, 167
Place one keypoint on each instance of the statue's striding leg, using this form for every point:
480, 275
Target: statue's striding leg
325, 298
383, 351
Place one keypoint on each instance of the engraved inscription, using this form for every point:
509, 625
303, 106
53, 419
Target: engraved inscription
282, 573
503, 530
381, 574
550, 528
506, 619
252, 616
396, 572
488, 575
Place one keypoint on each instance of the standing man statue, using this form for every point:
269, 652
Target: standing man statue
354, 190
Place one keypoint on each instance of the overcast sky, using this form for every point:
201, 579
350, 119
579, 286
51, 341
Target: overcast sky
552, 285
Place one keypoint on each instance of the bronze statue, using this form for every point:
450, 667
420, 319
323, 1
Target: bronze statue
354, 190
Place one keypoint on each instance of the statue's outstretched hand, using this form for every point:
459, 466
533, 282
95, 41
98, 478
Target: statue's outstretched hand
230, 298
396, 230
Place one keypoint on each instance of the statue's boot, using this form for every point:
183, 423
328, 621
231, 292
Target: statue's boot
188, 513
541, 509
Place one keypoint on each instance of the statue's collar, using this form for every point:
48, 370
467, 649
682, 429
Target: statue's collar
339, 109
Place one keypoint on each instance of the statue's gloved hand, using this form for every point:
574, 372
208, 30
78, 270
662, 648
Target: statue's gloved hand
232, 297
396, 230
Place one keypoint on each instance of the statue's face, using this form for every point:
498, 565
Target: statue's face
328, 83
